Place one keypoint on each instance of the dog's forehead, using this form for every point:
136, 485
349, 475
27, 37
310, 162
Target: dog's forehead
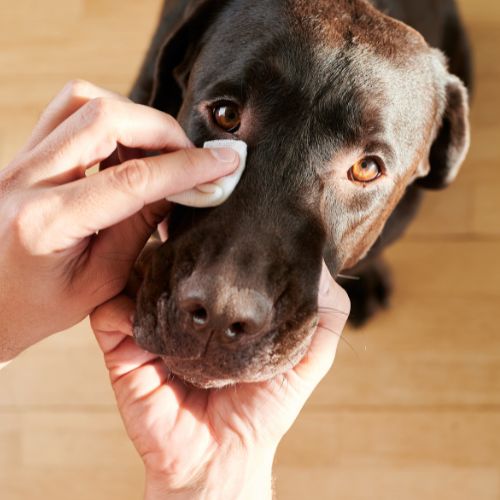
356, 22
388, 62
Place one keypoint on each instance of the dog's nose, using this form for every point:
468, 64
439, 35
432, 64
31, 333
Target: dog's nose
232, 314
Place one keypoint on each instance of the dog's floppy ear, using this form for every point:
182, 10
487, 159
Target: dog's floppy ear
178, 52
453, 138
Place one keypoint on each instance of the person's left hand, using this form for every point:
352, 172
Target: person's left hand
223, 440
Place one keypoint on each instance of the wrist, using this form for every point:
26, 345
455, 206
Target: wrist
239, 475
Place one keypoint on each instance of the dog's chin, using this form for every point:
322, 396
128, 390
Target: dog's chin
200, 373
193, 372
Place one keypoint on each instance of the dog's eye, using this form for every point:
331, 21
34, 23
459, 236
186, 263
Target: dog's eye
227, 116
365, 170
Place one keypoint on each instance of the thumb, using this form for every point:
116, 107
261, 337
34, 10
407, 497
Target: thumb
334, 307
118, 193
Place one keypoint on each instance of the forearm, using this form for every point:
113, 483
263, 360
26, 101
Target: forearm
243, 478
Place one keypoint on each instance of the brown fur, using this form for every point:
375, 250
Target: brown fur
321, 85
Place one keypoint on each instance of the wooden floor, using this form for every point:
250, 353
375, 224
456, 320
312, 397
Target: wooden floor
410, 412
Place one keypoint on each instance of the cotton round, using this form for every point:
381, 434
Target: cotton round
215, 193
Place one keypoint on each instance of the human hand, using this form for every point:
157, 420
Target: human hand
216, 443
68, 241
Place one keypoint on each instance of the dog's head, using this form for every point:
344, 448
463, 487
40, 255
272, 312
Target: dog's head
342, 109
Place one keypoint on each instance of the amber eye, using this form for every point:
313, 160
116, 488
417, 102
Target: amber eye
227, 116
365, 170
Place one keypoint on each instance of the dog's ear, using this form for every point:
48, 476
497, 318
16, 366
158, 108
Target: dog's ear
178, 52
453, 138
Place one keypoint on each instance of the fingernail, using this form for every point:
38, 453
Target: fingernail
211, 189
224, 155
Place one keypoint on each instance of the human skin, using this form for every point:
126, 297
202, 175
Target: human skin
68, 241
209, 444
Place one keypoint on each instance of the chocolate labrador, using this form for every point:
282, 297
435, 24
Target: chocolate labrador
350, 110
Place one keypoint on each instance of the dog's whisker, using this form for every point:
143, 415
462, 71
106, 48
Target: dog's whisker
292, 366
283, 381
169, 378
332, 309
342, 338
346, 277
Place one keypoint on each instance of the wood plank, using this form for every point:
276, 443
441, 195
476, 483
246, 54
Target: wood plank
65, 371
450, 268
431, 482
387, 437
400, 360
67, 454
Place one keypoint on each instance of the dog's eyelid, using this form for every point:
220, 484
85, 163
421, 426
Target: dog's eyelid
223, 99
226, 91
379, 160
382, 152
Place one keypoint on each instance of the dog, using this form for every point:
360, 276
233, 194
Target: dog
350, 110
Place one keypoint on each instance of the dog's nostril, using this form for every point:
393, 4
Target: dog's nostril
200, 316
195, 312
235, 330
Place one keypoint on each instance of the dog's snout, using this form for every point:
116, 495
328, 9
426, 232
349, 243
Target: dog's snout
230, 313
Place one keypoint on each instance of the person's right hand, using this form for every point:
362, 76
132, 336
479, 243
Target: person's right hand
67, 241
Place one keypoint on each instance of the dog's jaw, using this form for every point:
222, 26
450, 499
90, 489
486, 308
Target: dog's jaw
206, 370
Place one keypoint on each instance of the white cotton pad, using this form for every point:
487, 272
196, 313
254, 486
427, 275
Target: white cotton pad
215, 193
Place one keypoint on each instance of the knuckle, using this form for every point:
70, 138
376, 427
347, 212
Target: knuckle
132, 176
10, 179
100, 116
189, 159
36, 223
99, 110
77, 88
25, 226
173, 128
171, 122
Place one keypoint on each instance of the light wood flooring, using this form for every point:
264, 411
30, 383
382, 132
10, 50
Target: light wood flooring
410, 412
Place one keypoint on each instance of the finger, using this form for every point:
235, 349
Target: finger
334, 307
92, 134
120, 155
133, 381
127, 239
112, 322
126, 358
163, 230
112, 326
109, 197
71, 98
114, 256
